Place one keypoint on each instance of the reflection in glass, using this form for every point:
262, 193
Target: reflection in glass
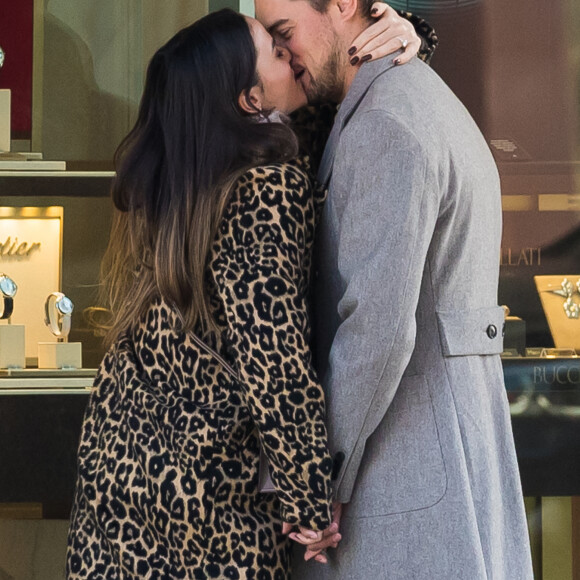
94, 60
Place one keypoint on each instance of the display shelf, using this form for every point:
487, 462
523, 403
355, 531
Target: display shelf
544, 397
34, 373
56, 183
548, 376
46, 382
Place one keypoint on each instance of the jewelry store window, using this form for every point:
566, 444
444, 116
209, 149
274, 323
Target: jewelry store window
75, 72
71, 77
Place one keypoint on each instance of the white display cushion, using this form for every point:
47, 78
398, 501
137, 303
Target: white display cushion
60, 355
4, 120
12, 346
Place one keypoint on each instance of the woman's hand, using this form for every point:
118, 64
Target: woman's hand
318, 542
390, 33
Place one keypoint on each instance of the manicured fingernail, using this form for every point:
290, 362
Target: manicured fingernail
354, 60
397, 61
374, 11
311, 534
366, 57
351, 50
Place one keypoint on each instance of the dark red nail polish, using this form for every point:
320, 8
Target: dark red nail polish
351, 50
397, 62
374, 11
354, 60
366, 57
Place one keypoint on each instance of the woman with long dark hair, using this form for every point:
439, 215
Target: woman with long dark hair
206, 276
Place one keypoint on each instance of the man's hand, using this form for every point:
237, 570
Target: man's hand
317, 542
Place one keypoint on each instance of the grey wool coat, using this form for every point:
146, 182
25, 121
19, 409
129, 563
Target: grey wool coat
408, 320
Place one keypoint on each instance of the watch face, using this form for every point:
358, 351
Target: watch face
65, 305
8, 287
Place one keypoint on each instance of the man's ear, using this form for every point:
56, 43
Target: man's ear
251, 102
347, 8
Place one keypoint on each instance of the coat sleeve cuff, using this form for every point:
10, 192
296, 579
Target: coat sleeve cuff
316, 518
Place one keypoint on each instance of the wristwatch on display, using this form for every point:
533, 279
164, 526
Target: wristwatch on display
58, 309
8, 289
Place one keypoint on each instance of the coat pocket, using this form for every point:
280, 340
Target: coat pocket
403, 468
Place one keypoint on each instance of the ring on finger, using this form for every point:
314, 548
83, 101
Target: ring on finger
404, 43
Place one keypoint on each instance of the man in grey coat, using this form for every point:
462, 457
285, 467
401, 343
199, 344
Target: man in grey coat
409, 247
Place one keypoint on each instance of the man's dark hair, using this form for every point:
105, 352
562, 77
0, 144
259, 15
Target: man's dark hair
322, 6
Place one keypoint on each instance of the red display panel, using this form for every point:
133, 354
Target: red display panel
16, 39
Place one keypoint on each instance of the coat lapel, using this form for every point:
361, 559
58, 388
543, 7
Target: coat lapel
361, 84
325, 170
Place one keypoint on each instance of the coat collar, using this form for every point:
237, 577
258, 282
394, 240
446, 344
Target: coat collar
363, 80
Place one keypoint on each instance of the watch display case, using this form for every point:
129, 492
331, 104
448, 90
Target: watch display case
30, 254
63, 224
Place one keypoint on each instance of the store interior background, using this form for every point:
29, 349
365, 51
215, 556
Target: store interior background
515, 64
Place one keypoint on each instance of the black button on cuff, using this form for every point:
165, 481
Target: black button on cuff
491, 331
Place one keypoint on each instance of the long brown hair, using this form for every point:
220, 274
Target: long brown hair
176, 167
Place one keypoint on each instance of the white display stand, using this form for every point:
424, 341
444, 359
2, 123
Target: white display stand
60, 355
4, 120
12, 346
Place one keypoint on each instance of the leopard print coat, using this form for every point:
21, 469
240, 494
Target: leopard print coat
168, 459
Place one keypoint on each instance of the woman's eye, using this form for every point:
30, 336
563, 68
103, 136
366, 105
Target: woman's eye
279, 53
285, 34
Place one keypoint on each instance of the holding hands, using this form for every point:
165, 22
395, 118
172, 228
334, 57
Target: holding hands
318, 542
